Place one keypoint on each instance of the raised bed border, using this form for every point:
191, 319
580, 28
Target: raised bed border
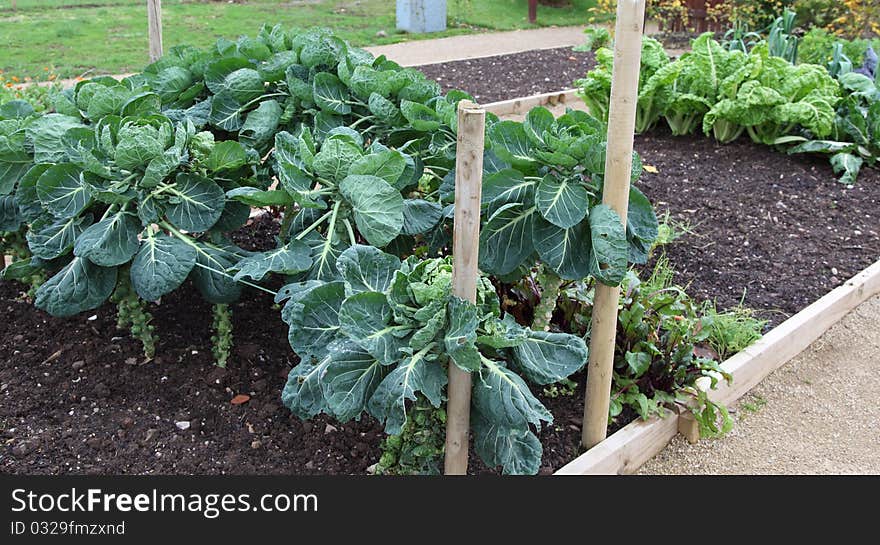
636, 443
522, 105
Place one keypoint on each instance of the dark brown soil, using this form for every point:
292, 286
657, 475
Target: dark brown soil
76, 396
773, 230
490, 79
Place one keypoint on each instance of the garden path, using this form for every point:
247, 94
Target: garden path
818, 414
473, 46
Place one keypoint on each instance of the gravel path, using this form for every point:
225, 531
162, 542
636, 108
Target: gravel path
818, 414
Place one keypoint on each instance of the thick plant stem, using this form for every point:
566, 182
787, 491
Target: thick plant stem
222, 338
132, 314
550, 283
284, 230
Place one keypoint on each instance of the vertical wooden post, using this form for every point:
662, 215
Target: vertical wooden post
533, 11
465, 238
618, 162
154, 26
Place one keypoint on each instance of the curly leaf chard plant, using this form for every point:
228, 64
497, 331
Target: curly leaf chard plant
769, 97
855, 139
595, 87
379, 341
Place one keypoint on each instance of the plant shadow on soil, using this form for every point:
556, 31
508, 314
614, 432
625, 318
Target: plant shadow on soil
74, 401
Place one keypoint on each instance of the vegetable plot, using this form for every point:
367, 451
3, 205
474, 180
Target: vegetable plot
128, 189
730, 92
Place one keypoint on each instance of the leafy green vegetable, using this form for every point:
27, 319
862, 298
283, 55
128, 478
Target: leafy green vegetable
380, 342
595, 87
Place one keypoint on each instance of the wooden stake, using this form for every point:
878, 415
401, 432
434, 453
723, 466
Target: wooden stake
618, 162
465, 238
533, 11
154, 26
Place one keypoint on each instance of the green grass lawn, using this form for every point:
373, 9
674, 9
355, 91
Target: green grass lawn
110, 36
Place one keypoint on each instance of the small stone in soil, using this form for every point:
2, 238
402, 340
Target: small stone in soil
151, 434
256, 444
22, 449
182, 425
79, 364
330, 428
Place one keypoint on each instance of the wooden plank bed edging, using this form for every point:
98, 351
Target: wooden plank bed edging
636, 443
522, 105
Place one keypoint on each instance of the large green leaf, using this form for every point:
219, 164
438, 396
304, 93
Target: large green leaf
415, 374
517, 451
350, 380
138, 145
110, 242
562, 202
170, 82
226, 112
510, 143
161, 167
61, 190
460, 337
367, 319
211, 274
261, 124
566, 251
10, 217
388, 165
330, 94
641, 220
608, 256
507, 186
420, 117
161, 265
244, 85
142, 104
336, 157
847, 165
506, 239
14, 162
78, 287
198, 202
537, 122
289, 259
16, 109
107, 100
48, 240
304, 392
546, 357
316, 323
26, 193
252, 196
420, 216
502, 396
366, 268
385, 110
45, 134
226, 155
378, 207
